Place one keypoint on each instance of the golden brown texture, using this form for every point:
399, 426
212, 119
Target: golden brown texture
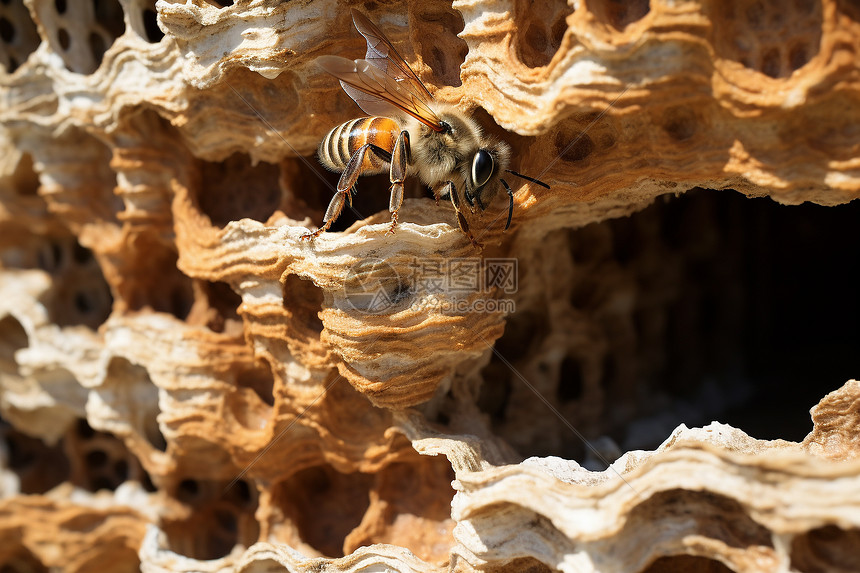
263, 403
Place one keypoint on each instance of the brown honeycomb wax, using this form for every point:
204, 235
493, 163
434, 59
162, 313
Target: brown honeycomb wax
186, 385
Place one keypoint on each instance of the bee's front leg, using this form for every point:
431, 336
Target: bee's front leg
399, 161
461, 219
346, 182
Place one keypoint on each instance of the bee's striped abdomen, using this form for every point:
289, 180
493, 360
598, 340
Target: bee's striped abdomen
341, 142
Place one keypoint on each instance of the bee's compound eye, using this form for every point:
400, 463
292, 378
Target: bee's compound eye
482, 168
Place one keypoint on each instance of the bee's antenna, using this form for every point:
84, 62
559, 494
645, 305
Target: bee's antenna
511, 207
526, 177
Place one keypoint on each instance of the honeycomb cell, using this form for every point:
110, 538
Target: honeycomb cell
773, 39
18, 35
236, 189
81, 32
438, 26
828, 548
220, 516
325, 505
541, 28
620, 13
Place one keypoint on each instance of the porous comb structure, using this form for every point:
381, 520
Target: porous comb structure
186, 385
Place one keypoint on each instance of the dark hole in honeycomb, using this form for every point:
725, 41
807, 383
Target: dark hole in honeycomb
18, 34
235, 189
774, 39
573, 146
39, 466
828, 548
620, 13
220, 517
109, 14
99, 460
96, 460
7, 31
717, 517
680, 123
303, 299
701, 307
539, 31
19, 559
570, 384
216, 305
260, 380
439, 26
686, 564
150, 26
121, 470
13, 338
81, 295
187, 491
60, 6
63, 38
152, 279
97, 46
324, 505
771, 64
84, 430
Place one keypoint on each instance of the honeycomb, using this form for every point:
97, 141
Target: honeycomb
619, 382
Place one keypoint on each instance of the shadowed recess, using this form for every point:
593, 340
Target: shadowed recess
18, 35
827, 548
218, 519
686, 564
620, 13
539, 30
325, 505
775, 39
39, 467
438, 25
235, 189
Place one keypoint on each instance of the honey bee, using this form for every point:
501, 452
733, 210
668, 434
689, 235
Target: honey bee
407, 131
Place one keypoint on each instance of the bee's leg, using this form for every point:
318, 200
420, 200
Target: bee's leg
345, 184
399, 161
461, 220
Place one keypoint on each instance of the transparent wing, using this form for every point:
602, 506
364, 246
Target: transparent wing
376, 92
384, 56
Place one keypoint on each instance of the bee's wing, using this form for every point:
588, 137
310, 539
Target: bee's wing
376, 92
382, 54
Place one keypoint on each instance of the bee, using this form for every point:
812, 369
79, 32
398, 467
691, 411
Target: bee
407, 131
